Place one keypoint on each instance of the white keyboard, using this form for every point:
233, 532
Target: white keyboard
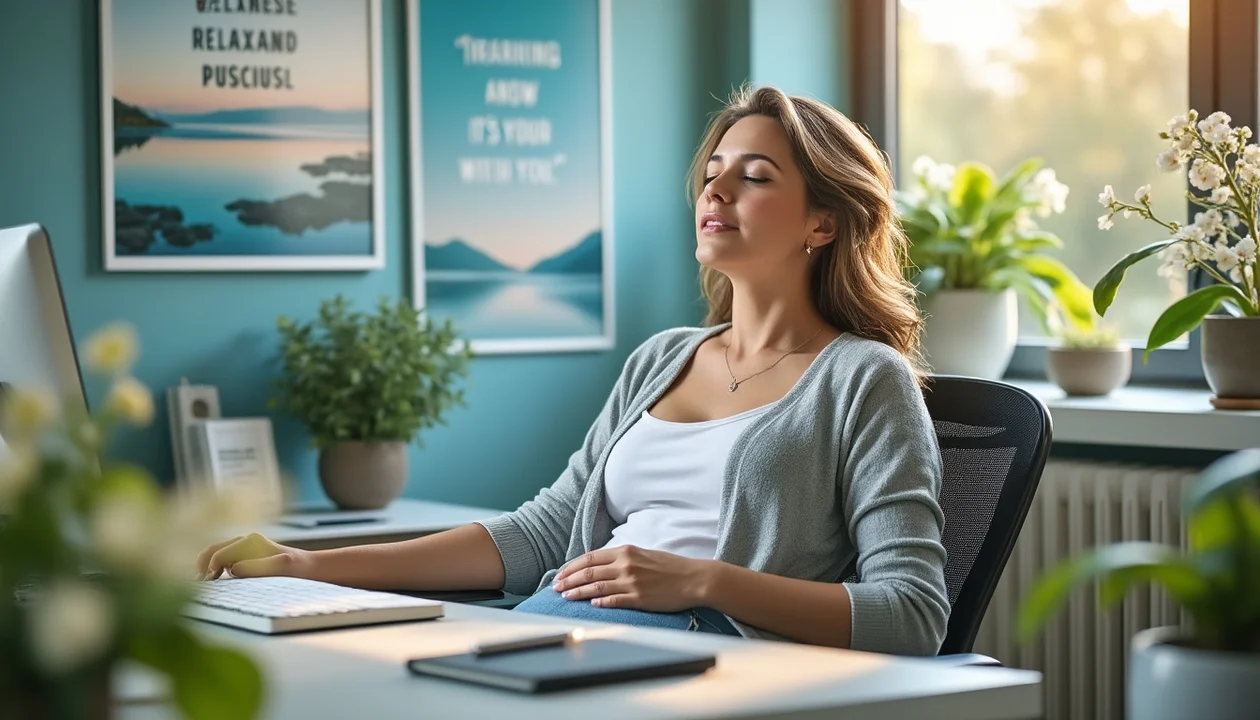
279, 604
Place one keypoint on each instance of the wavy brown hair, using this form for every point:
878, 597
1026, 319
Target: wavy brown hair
857, 281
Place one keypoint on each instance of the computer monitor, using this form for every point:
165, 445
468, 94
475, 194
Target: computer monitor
36, 347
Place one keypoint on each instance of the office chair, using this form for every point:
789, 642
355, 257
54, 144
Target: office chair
994, 441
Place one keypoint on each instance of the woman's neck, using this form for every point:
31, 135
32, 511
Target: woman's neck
771, 320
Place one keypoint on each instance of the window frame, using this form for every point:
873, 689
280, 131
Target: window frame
1224, 57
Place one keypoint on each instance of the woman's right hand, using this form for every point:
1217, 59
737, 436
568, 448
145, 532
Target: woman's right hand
253, 556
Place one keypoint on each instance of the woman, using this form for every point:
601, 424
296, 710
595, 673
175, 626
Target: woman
736, 469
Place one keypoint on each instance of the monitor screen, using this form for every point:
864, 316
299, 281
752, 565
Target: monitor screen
36, 346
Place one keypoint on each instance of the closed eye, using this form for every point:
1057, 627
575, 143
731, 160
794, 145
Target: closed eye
752, 179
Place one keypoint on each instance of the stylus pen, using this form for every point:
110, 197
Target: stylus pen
537, 641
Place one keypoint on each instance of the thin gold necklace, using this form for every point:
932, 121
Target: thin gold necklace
736, 383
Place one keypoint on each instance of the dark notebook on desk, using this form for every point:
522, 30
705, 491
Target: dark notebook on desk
562, 667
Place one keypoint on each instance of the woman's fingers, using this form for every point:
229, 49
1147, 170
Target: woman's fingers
592, 582
203, 558
247, 548
271, 566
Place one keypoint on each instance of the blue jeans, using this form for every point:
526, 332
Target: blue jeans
549, 602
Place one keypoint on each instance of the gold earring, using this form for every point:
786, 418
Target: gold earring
809, 248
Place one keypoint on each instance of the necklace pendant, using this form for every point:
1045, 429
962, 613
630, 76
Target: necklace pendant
733, 386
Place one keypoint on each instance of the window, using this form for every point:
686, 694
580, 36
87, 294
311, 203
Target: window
1086, 85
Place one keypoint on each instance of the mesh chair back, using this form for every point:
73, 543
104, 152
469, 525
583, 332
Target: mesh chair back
994, 441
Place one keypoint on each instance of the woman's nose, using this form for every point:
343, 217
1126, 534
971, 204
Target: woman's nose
716, 190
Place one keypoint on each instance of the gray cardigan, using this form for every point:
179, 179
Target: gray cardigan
846, 463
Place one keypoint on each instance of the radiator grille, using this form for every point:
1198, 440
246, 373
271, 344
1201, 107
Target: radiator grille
1082, 652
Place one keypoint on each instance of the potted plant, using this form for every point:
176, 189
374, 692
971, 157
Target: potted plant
365, 385
975, 247
96, 560
1213, 670
1088, 361
1225, 169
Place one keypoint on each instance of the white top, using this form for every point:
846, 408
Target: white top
663, 483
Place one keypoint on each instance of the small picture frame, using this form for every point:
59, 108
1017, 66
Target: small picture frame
237, 454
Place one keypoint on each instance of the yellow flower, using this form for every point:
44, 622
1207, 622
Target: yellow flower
123, 530
71, 624
131, 400
27, 412
113, 349
18, 464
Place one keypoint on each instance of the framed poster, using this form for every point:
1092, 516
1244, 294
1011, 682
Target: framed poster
241, 135
511, 172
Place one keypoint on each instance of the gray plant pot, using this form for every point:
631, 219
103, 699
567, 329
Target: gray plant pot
1168, 680
1230, 347
363, 475
1089, 371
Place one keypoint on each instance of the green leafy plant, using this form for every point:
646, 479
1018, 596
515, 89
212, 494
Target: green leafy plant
96, 560
1217, 581
969, 229
1095, 334
371, 377
1220, 242
1092, 338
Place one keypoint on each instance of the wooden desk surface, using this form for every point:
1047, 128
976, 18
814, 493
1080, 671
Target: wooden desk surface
360, 673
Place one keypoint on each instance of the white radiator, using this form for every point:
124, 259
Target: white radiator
1083, 651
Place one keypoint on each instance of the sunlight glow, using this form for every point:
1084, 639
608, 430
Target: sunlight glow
980, 28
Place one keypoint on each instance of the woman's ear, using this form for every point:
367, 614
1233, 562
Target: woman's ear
822, 228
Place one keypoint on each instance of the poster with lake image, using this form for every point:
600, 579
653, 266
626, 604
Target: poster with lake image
510, 174
241, 135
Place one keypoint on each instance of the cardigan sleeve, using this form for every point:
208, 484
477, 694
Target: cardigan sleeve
891, 475
534, 538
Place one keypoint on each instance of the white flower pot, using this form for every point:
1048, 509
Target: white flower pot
970, 332
1168, 680
1089, 371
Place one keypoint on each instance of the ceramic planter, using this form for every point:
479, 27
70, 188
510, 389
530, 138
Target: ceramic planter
1230, 346
1169, 680
1089, 371
363, 475
970, 332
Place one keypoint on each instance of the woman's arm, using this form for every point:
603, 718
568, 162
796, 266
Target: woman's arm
464, 558
816, 613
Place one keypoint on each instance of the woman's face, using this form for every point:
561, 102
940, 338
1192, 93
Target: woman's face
752, 213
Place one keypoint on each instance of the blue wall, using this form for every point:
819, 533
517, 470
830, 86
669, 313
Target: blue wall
526, 414
801, 46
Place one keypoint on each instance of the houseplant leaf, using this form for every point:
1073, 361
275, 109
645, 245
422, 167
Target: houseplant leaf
1117, 567
1072, 294
1186, 314
1224, 476
1011, 186
1037, 240
1105, 289
1035, 291
973, 189
207, 681
929, 279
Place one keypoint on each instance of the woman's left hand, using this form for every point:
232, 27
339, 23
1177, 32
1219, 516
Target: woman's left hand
634, 578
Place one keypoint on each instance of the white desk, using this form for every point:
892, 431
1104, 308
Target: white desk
360, 673
404, 519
